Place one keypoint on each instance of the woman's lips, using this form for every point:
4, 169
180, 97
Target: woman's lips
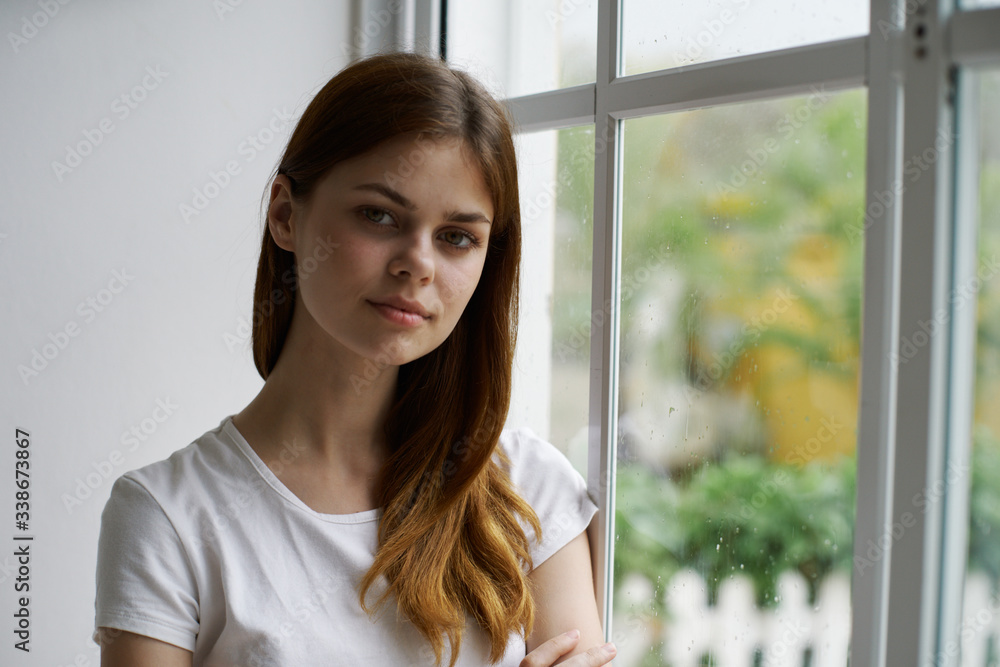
398, 315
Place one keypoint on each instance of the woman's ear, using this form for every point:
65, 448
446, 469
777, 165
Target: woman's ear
279, 213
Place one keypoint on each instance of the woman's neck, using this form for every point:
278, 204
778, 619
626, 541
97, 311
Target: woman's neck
321, 408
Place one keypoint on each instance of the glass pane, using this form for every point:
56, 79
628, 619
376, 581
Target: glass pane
739, 360
658, 35
551, 378
521, 47
980, 628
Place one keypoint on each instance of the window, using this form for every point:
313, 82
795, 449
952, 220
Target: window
762, 292
977, 292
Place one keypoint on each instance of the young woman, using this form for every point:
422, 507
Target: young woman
367, 507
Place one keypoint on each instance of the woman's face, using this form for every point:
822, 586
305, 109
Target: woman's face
398, 240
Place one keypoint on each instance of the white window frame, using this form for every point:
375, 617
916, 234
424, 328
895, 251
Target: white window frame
906, 607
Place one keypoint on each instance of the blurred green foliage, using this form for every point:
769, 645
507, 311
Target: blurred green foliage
984, 510
742, 515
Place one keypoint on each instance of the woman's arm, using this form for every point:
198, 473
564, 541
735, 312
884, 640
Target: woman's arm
127, 649
564, 600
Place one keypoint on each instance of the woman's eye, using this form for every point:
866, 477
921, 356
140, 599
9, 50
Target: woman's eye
458, 239
377, 215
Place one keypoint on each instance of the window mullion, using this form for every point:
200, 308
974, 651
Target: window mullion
604, 306
955, 519
877, 402
922, 357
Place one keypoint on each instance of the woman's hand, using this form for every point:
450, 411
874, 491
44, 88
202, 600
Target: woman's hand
548, 653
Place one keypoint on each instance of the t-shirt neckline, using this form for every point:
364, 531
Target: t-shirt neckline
229, 428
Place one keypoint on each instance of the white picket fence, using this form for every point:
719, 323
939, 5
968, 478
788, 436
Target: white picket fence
734, 630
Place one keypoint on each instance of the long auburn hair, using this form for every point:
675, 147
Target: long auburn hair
450, 541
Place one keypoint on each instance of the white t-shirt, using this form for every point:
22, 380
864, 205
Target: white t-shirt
209, 551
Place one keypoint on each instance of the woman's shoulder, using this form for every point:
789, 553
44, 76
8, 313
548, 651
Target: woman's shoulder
528, 452
202, 464
546, 479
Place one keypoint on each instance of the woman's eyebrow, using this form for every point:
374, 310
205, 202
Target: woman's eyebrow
388, 193
398, 198
455, 216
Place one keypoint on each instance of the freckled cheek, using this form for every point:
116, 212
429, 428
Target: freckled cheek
457, 286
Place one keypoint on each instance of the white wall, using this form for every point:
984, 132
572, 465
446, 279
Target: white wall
161, 339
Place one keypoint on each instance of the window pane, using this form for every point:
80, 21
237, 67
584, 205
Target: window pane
739, 356
525, 46
980, 628
551, 381
658, 35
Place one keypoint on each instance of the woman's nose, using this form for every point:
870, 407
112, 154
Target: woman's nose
414, 259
